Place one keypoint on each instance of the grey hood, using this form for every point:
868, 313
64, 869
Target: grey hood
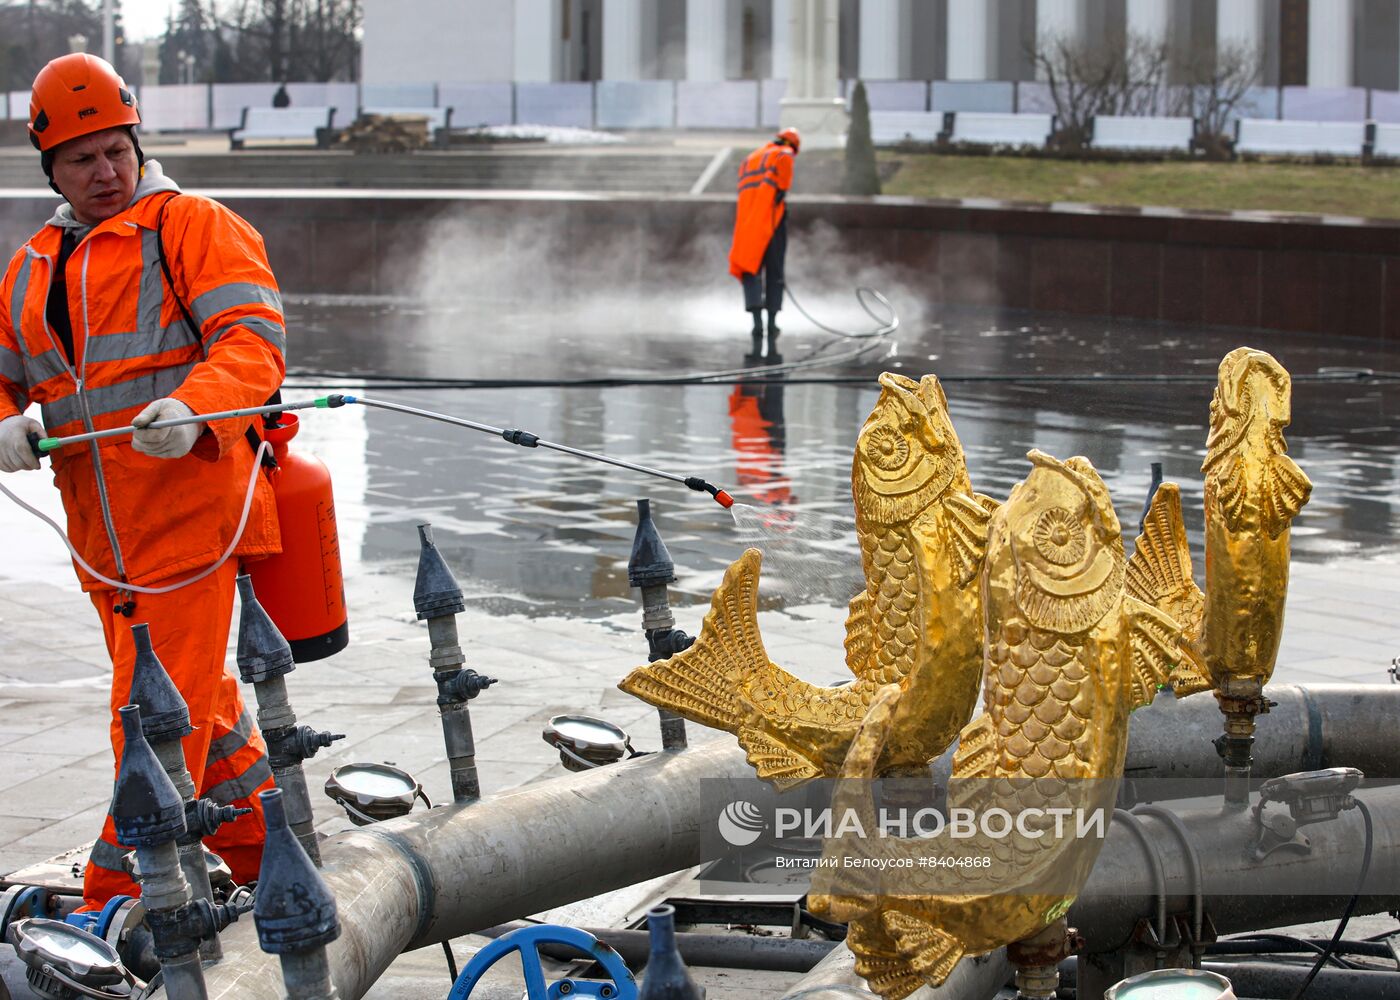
152, 181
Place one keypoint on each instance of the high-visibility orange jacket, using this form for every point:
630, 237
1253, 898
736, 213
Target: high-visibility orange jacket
132, 516
764, 174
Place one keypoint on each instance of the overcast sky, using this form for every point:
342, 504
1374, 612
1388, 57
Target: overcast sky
145, 18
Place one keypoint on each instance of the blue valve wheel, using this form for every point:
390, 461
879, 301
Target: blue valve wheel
98, 922
22, 901
527, 940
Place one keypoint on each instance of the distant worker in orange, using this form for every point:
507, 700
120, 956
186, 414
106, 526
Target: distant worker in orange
137, 303
760, 234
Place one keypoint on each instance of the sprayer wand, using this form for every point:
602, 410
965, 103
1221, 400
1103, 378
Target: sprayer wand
527, 440
518, 437
42, 446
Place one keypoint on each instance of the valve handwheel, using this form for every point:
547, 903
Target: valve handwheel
527, 940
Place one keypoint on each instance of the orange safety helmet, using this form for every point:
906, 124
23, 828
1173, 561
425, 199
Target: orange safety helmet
76, 95
792, 137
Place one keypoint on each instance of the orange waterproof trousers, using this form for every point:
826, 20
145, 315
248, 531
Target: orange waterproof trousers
226, 755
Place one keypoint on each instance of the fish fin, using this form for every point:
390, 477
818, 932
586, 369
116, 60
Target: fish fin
1191, 675
1230, 489
860, 636
1155, 642
878, 960
968, 519
976, 755
1159, 572
784, 767
1286, 489
702, 683
930, 952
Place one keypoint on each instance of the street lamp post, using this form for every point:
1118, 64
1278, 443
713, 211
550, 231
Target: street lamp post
109, 35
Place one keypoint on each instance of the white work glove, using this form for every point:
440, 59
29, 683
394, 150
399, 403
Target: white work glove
15, 453
165, 442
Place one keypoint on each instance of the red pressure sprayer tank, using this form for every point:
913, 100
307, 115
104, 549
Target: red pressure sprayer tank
302, 589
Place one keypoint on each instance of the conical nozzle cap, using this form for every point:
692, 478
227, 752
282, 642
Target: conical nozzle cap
667, 977
263, 652
293, 909
651, 564
435, 592
146, 808
164, 714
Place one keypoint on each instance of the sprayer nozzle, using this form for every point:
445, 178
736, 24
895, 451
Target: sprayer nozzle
723, 498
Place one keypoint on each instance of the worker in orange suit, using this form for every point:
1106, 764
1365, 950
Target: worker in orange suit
137, 303
757, 253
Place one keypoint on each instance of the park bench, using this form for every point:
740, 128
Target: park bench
1134, 132
313, 124
1385, 141
985, 128
1299, 138
888, 128
439, 119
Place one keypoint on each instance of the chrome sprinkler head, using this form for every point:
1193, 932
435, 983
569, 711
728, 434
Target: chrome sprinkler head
293, 909
435, 592
146, 808
650, 565
164, 714
59, 957
263, 652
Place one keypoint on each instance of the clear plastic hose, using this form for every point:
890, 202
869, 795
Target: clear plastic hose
131, 587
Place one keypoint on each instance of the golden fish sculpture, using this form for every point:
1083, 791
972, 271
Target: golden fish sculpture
1069, 655
918, 623
1253, 490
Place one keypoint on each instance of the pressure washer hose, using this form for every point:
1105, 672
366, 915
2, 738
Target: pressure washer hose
131, 587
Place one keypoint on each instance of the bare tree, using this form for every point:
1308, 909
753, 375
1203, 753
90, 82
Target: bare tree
1126, 76
1217, 85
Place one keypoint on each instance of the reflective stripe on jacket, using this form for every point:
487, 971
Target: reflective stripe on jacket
763, 175
156, 517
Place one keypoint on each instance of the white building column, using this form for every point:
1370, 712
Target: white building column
781, 60
536, 40
972, 40
1151, 19
622, 39
1240, 23
884, 25
706, 38
1059, 19
812, 103
1331, 42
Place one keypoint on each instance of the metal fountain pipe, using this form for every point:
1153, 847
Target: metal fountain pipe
1310, 727
165, 720
264, 659
650, 569
149, 815
436, 875
438, 600
295, 913
433, 876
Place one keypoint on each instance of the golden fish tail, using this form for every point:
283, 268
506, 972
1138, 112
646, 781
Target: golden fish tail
931, 953
703, 683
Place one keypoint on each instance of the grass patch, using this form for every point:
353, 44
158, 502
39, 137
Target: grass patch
1337, 189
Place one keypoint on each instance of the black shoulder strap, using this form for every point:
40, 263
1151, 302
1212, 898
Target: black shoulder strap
254, 440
